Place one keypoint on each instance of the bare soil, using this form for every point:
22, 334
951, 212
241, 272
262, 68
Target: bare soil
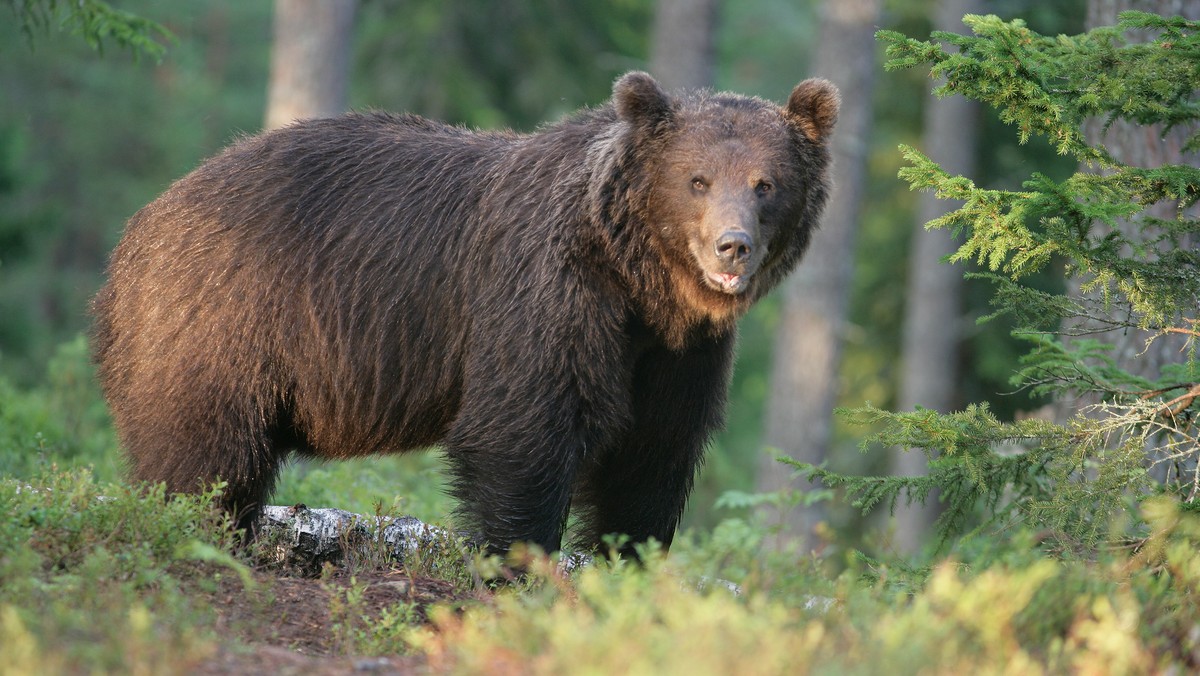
284, 626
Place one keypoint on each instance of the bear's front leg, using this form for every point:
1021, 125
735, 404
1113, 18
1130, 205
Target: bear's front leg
535, 407
640, 487
512, 480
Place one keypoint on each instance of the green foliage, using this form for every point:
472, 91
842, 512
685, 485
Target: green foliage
101, 578
86, 141
625, 621
63, 422
95, 21
1021, 232
966, 465
1051, 85
1128, 612
410, 484
358, 632
1131, 434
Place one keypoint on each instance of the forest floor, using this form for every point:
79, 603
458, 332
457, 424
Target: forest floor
286, 625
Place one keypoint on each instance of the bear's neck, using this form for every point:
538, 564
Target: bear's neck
675, 308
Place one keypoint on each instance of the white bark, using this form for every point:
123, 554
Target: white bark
308, 538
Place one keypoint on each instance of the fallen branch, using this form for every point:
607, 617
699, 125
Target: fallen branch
309, 538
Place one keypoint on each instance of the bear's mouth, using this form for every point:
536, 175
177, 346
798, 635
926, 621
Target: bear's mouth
727, 282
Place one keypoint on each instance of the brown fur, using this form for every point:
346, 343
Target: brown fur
547, 307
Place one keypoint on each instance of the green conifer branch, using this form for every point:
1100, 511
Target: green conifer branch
96, 22
1133, 435
1049, 86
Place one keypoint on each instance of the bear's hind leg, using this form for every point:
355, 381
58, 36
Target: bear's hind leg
190, 436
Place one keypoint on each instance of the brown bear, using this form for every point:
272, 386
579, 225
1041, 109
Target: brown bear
556, 310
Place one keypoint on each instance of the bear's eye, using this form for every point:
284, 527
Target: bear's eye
699, 184
763, 188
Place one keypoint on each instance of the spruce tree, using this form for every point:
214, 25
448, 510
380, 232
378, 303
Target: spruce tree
1129, 435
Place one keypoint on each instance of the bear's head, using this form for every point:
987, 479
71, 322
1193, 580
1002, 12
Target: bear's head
729, 187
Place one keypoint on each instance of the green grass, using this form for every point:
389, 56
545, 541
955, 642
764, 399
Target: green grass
63, 423
101, 578
1121, 613
98, 577
410, 484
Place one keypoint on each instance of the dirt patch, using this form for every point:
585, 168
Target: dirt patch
285, 625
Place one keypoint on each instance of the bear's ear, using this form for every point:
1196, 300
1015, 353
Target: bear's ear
813, 106
639, 100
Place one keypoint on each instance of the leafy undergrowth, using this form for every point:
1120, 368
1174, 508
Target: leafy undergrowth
137, 583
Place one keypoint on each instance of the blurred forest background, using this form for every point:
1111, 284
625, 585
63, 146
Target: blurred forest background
87, 138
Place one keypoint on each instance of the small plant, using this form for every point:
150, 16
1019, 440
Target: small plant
358, 631
63, 422
1128, 612
101, 577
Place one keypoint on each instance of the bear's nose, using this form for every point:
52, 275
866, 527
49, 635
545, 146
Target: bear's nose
734, 246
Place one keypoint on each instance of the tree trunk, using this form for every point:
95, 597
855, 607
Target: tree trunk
808, 342
682, 53
310, 59
932, 312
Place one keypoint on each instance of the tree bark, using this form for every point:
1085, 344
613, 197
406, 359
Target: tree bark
306, 539
683, 50
310, 60
933, 312
808, 341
